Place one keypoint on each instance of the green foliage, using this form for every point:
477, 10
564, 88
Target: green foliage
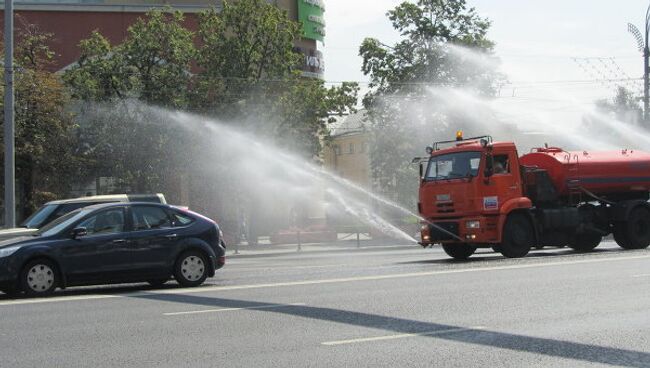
624, 107
152, 65
101, 73
249, 74
160, 50
243, 70
44, 140
304, 110
403, 114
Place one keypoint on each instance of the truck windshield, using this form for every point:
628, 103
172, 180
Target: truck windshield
453, 166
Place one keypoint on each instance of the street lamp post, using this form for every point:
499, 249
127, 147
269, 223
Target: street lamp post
10, 161
642, 43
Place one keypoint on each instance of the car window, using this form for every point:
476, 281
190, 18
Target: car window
106, 222
181, 219
501, 164
61, 223
147, 217
38, 218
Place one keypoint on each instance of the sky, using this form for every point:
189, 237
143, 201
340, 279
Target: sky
535, 40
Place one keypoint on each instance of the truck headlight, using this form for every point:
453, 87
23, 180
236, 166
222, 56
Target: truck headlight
473, 224
6, 252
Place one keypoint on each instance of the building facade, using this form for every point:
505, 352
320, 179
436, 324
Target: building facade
348, 155
71, 21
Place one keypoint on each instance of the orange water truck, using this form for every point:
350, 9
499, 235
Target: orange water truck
476, 193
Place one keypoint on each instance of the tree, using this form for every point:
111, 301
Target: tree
45, 164
243, 71
625, 107
250, 74
247, 48
403, 113
152, 66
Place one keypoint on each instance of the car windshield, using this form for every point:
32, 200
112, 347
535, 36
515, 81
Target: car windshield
38, 218
453, 165
61, 223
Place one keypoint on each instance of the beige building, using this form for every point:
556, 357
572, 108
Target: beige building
348, 154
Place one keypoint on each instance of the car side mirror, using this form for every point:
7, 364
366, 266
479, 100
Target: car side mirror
79, 232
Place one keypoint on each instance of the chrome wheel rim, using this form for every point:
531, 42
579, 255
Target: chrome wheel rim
40, 278
192, 268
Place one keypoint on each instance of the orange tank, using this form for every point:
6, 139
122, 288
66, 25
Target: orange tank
600, 172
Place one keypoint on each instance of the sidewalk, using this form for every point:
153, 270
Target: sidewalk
265, 248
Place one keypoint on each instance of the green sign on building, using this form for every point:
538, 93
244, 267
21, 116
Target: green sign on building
310, 13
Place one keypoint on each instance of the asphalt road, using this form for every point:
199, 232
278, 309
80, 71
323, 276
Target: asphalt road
374, 307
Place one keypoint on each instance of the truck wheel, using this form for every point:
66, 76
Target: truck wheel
635, 232
517, 236
459, 251
585, 242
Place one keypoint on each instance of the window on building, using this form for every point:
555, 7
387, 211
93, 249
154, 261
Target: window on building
351, 148
337, 149
364, 147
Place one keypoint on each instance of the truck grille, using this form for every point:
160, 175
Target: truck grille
447, 207
437, 235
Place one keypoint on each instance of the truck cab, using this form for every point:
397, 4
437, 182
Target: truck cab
467, 191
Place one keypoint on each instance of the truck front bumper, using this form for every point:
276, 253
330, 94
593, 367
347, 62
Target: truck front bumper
466, 230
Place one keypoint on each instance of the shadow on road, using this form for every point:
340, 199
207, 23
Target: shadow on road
536, 345
487, 255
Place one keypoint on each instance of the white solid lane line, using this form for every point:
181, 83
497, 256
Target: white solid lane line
400, 336
324, 281
642, 275
269, 306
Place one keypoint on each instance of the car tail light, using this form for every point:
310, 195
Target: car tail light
221, 260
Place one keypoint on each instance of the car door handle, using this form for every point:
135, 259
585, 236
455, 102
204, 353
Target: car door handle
171, 236
119, 241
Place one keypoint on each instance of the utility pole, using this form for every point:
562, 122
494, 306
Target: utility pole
10, 161
642, 43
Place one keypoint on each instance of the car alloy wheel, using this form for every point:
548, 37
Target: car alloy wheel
191, 269
39, 278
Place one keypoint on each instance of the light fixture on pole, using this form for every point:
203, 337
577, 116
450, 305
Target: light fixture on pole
642, 43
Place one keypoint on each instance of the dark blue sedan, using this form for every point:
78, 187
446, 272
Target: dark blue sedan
113, 243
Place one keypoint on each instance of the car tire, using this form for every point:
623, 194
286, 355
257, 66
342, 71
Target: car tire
459, 251
39, 277
191, 268
518, 236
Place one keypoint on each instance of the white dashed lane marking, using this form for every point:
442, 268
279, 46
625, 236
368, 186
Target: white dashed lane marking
400, 336
269, 306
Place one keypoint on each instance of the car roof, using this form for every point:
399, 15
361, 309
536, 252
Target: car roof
116, 204
112, 198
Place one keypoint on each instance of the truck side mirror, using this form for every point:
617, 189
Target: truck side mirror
489, 166
421, 170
